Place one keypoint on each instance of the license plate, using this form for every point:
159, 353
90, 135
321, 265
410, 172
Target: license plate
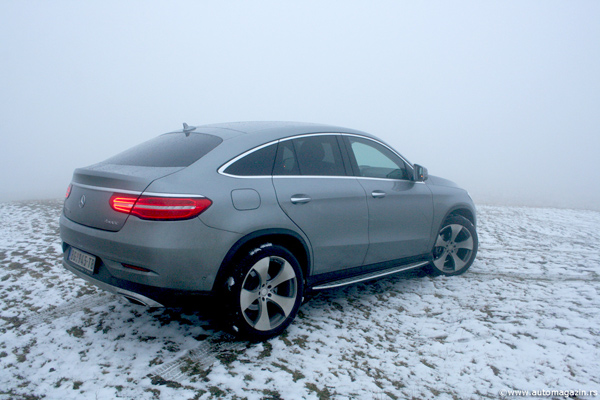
83, 260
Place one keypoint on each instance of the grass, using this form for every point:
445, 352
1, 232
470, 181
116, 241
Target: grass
194, 370
76, 331
296, 375
322, 393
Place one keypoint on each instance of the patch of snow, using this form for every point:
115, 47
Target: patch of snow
525, 316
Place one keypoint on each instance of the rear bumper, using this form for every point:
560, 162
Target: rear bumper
183, 257
148, 296
129, 295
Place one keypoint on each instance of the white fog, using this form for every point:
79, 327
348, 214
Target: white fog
501, 97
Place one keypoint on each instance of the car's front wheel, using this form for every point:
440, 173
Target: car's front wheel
455, 247
264, 292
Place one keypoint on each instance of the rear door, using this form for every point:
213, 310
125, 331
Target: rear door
315, 190
400, 210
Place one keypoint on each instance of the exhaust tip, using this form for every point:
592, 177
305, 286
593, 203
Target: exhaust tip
139, 300
134, 301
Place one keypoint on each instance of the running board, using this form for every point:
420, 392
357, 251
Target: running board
372, 275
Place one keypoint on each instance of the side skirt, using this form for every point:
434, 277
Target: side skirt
370, 275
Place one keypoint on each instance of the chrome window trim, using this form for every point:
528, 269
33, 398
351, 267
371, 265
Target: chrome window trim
340, 177
315, 176
222, 169
246, 177
387, 179
310, 134
135, 192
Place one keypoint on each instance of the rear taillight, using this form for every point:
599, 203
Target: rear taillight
122, 202
160, 208
68, 191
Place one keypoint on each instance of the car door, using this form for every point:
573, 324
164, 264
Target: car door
316, 190
400, 209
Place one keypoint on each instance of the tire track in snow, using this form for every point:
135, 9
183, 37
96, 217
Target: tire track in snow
204, 355
69, 308
535, 277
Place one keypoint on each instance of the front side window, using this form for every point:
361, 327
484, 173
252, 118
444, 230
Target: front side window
377, 161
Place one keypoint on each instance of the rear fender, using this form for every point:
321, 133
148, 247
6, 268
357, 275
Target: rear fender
284, 237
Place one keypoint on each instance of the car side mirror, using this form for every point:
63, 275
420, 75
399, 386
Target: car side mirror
421, 173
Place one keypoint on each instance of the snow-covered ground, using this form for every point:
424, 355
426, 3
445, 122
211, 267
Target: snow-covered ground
526, 316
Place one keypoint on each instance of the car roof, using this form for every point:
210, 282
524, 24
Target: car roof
265, 131
239, 137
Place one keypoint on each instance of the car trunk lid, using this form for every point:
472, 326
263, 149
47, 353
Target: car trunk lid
92, 187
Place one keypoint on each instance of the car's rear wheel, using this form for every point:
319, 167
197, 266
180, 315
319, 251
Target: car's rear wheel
264, 292
455, 247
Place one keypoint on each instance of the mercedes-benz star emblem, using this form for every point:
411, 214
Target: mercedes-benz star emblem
82, 201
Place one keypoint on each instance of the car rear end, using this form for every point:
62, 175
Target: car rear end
147, 246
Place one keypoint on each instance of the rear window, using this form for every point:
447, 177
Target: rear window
168, 150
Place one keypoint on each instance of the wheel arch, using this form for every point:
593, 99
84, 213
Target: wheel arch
461, 209
284, 237
465, 212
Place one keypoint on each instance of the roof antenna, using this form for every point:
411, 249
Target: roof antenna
187, 129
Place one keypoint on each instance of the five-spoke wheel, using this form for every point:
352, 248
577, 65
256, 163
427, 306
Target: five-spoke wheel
265, 292
455, 247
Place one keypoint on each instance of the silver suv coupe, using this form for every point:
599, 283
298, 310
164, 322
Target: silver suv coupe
257, 214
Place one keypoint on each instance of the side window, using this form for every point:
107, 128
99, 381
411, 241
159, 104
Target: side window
312, 155
257, 163
377, 161
285, 162
319, 155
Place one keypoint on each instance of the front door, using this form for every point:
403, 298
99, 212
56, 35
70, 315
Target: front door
400, 209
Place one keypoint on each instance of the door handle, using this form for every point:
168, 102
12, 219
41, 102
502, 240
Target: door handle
300, 199
378, 194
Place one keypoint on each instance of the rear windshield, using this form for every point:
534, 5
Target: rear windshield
168, 150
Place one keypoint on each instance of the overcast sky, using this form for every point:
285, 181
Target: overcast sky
501, 97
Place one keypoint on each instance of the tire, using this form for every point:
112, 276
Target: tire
455, 247
264, 292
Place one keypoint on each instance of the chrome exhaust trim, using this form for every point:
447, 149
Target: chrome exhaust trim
131, 297
138, 299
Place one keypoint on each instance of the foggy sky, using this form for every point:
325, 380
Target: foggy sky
501, 97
